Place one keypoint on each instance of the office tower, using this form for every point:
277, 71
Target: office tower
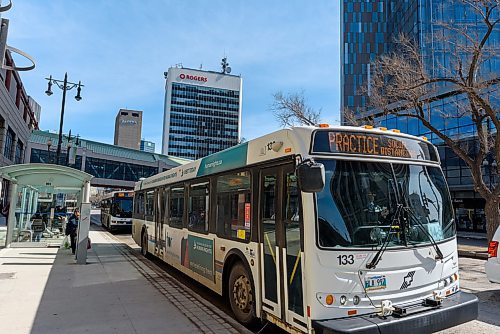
128, 126
202, 112
369, 29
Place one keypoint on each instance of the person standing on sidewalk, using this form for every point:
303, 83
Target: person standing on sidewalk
72, 228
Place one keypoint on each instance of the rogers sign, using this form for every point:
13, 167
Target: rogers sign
192, 77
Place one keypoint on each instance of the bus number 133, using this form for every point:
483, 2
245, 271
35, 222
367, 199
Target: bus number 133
345, 259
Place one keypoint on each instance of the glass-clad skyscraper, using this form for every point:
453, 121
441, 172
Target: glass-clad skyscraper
369, 29
202, 112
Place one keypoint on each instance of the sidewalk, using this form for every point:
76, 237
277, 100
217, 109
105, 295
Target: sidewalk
472, 245
42, 290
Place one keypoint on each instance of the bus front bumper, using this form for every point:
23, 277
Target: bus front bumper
454, 310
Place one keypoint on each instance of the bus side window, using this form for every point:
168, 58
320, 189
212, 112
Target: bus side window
142, 210
176, 205
150, 202
233, 206
198, 207
164, 205
292, 200
139, 205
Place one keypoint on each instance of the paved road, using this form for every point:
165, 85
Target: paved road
473, 279
471, 242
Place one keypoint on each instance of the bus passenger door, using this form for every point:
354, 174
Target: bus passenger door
268, 217
281, 246
292, 249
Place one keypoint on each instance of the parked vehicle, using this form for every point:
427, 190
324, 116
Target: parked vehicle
493, 264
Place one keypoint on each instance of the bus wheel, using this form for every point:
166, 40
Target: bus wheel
241, 294
144, 243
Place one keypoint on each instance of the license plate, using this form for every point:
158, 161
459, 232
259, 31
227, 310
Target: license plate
375, 282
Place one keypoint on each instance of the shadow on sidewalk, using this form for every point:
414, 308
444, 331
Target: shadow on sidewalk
79, 298
105, 296
488, 306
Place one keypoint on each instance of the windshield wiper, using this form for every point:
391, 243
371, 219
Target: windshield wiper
413, 217
396, 219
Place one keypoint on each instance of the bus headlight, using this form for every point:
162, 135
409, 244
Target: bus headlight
450, 279
447, 281
330, 300
356, 300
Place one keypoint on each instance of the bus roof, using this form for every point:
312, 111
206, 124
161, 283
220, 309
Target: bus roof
286, 142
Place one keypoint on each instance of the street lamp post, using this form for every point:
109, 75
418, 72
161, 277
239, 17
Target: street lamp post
68, 148
64, 85
49, 144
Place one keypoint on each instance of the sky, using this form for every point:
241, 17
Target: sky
119, 50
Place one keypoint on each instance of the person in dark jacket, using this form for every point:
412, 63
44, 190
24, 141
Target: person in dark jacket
72, 228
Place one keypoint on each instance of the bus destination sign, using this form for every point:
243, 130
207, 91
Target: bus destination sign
362, 143
367, 144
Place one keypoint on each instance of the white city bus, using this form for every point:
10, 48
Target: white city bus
316, 229
116, 210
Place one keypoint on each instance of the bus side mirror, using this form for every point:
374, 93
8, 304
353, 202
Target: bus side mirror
311, 176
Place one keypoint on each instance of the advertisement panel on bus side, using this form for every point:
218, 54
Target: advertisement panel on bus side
198, 255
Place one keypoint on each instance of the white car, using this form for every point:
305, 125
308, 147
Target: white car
493, 264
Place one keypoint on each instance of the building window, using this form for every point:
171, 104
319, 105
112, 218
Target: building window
44, 157
123, 113
134, 114
108, 169
18, 159
9, 143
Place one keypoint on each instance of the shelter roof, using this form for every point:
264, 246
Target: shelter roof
46, 177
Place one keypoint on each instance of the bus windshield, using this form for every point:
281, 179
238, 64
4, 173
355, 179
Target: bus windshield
122, 207
359, 204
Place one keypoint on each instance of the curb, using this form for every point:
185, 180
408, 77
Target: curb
474, 237
473, 254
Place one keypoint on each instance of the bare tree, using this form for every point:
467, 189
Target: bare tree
403, 85
352, 118
292, 109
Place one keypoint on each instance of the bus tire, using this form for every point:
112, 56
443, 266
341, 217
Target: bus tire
241, 294
144, 243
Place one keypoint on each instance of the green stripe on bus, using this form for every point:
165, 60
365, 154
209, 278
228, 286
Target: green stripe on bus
231, 158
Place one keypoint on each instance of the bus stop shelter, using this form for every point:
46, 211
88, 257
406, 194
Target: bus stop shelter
29, 184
